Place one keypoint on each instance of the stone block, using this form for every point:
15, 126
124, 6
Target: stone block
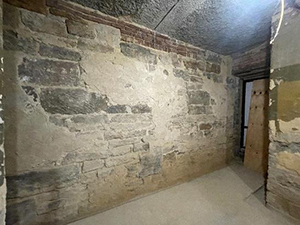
48, 206
120, 134
13, 42
284, 184
138, 52
121, 150
52, 51
93, 119
215, 77
196, 109
150, 165
118, 109
105, 172
232, 83
49, 73
283, 205
132, 169
141, 147
196, 79
58, 121
84, 156
198, 97
11, 16
34, 182
44, 24
141, 108
213, 68
205, 126
81, 29
120, 160
176, 60
181, 74
22, 211
123, 142
213, 57
194, 86
108, 35
107, 40
289, 161
127, 127
194, 65
86, 44
294, 210
72, 101
92, 165
133, 182
131, 118
47, 196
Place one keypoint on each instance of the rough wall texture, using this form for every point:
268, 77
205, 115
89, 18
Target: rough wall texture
284, 160
2, 173
93, 121
253, 63
223, 26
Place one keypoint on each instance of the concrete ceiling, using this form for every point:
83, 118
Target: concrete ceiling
223, 26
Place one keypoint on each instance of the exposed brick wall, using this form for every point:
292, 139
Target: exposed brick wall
253, 63
94, 120
129, 32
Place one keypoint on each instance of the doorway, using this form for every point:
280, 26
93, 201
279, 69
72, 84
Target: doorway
255, 140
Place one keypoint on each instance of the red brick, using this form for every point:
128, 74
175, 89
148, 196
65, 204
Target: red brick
161, 36
139, 41
149, 38
171, 49
147, 31
129, 32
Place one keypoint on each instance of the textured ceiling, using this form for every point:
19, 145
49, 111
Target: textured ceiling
223, 26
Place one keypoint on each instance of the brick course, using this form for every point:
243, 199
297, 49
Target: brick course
129, 32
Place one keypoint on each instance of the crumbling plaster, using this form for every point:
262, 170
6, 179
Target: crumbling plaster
284, 114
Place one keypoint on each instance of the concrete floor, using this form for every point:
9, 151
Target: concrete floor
231, 196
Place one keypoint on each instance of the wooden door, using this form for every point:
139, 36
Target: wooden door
257, 139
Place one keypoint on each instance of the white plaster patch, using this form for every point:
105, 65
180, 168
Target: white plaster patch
271, 102
2, 60
272, 85
272, 127
291, 126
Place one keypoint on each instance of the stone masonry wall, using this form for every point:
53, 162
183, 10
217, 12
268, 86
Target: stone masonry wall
283, 188
95, 118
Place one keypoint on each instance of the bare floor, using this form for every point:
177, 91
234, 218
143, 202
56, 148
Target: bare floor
231, 196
